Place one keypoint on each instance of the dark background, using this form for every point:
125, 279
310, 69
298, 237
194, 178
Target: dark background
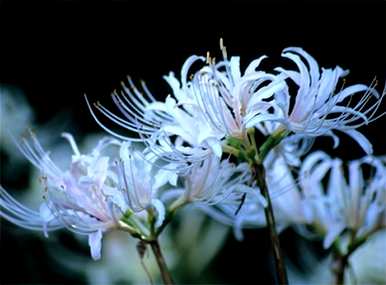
56, 51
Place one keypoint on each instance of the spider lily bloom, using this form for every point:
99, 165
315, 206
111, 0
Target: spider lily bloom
141, 181
220, 189
218, 102
319, 107
74, 198
86, 198
357, 205
210, 182
286, 201
229, 99
154, 122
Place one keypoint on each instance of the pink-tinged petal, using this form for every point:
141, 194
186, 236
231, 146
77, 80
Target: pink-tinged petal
95, 243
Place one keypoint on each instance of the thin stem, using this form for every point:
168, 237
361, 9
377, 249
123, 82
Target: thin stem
339, 267
165, 274
341, 261
259, 173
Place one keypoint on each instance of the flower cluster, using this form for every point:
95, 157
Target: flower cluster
356, 207
219, 102
204, 145
100, 191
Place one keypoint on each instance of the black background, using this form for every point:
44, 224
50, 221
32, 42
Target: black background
58, 50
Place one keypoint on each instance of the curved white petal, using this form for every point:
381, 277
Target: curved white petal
95, 243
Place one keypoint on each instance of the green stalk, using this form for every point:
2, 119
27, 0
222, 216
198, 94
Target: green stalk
165, 274
259, 173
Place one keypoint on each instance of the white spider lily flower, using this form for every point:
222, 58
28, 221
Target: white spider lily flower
140, 119
229, 99
249, 213
212, 181
244, 210
357, 204
217, 103
87, 197
81, 198
319, 107
141, 181
94, 194
154, 122
195, 137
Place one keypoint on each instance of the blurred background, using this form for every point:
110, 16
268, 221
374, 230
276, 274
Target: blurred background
54, 52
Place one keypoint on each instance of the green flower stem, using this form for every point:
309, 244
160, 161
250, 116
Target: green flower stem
127, 228
251, 136
131, 221
153, 239
170, 214
231, 150
165, 274
259, 173
273, 140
